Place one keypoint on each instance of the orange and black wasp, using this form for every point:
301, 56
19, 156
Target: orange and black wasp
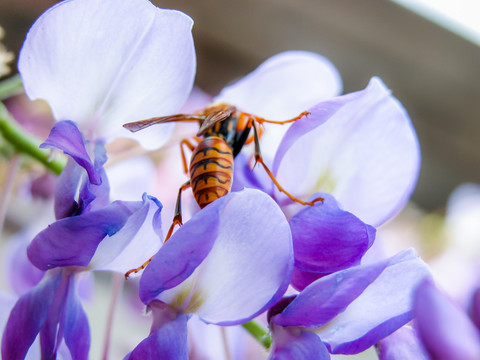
223, 132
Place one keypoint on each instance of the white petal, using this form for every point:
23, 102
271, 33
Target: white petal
284, 86
103, 63
130, 178
135, 243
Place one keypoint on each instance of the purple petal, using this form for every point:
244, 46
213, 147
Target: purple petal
445, 330
328, 239
21, 320
182, 253
360, 147
244, 176
102, 63
76, 328
295, 343
51, 333
475, 308
74, 240
384, 306
402, 344
255, 255
301, 279
167, 339
137, 240
67, 187
95, 196
65, 136
325, 298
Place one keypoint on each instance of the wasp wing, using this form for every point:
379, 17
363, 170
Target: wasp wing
215, 117
142, 124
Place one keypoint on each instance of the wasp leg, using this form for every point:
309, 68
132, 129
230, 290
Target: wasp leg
259, 160
177, 220
262, 120
182, 152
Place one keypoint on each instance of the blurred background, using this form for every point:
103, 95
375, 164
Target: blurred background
432, 70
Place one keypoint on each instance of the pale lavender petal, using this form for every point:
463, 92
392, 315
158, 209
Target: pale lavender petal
65, 136
74, 240
255, 255
402, 344
102, 63
22, 275
384, 306
21, 321
325, 298
76, 328
360, 147
327, 238
295, 343
284, 86
196, 101
182, 253
137, 240
281, 88
445, 330
168, 336
130, 178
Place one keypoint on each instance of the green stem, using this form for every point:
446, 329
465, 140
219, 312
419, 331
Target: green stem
259, 333
10, 87
25, 143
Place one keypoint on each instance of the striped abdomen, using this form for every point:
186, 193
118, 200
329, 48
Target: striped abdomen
211, 170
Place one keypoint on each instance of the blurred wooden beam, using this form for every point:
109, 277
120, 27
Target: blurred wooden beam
435, 73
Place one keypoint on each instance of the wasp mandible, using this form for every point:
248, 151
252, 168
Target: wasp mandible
223, 132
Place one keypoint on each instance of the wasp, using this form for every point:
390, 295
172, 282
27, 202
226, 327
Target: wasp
223, 132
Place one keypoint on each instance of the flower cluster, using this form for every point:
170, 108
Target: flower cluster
102, 63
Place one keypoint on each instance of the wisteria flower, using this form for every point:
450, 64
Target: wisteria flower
226, 265
360, 147
348, 311
358, 151
90, 233
102, 63
444, 329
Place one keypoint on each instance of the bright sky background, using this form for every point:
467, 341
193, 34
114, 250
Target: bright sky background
459, 16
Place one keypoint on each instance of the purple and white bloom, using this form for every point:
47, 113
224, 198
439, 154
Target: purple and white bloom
360, 147
359, 151
90, 234
444, 329
227, 264
102, 63
348, 311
